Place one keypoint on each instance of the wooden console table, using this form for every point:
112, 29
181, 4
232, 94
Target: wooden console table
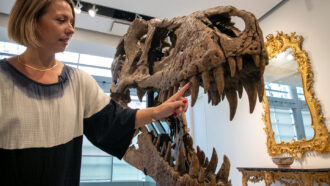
286, 176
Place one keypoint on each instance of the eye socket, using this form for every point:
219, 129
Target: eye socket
224, 23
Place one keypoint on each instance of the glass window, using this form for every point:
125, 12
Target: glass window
71, 57
135, 103
95, 168
4, 56
95, 60
122, 171
277, 90
300, 93
96, 71
283, 124
309, 131
11, 48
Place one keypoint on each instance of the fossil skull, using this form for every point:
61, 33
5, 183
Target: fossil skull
206, 49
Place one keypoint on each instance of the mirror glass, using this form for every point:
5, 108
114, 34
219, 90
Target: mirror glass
289, 115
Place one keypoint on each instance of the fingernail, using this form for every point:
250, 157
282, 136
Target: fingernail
184, 101
185, 110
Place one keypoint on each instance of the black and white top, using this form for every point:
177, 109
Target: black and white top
41, 126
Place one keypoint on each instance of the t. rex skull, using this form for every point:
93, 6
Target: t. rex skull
204, 48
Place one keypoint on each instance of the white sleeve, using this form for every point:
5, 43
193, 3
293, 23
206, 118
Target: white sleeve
94, 98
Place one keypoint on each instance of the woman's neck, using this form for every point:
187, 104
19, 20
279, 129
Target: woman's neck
37, 58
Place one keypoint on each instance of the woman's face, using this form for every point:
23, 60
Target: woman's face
54, 29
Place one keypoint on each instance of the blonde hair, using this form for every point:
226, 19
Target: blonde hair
24, 17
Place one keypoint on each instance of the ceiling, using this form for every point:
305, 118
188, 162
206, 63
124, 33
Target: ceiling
174, 8
283, 69
165, 9
155, 8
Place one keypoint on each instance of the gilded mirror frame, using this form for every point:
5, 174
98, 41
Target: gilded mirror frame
320, 142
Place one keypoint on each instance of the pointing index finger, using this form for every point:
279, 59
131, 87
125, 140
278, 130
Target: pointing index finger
182, 90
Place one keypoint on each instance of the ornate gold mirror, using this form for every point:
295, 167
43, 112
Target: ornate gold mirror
292, 114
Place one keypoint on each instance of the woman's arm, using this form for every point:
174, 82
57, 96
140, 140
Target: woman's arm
176, 104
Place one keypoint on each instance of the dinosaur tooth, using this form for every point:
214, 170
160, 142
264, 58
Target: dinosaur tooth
256, 59
140, 93
261, 88
183, 83
160, 96
163, 151
251, 92
154, 141
194, 166
170, 92
218, 74
157, 143
262, 66
206, 81
232, 100
223, 172
210, 169
240, 89
168, 152
194, 183
176, 88
171, 161
232, 66
151, 135
223, 95
200, 155
209, 97
239, 61
180, 165
194, 90
217, 98
206, 162
165, 96
201, 175
212, 181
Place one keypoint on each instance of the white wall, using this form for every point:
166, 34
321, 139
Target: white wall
243, 140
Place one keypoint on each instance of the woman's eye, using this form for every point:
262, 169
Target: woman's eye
61, 20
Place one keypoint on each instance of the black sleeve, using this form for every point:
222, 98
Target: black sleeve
111, 129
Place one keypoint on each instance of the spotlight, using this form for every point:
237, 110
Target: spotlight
92, 11
78, 7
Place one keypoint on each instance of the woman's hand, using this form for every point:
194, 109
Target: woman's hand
176, 105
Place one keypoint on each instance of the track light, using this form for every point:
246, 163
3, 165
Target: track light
92, 11
78, 7
138, 16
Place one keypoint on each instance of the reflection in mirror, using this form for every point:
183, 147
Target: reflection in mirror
289, 114
292, 113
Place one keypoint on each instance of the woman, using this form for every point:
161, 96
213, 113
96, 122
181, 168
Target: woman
46, 106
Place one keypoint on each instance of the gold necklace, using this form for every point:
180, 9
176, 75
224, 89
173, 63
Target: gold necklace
35, 68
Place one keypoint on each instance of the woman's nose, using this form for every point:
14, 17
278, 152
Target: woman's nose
69, 30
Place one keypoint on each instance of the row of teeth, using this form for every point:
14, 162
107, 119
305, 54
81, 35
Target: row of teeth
199, 169
216, 90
